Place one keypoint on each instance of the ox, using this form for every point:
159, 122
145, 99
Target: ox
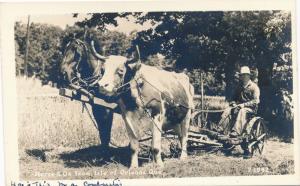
167, 97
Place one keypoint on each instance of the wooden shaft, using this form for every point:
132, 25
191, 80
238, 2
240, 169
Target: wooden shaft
202, 97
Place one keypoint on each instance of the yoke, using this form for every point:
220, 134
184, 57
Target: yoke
83, 97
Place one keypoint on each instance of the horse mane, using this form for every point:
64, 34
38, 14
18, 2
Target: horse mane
77, 51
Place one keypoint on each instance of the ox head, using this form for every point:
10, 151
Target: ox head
118, 71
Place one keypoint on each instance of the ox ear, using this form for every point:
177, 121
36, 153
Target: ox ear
134, 63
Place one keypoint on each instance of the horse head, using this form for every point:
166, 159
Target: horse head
81, 62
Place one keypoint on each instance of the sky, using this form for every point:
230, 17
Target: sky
125, 26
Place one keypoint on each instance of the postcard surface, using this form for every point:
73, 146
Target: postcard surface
152, 93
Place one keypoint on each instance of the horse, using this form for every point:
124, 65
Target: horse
82, 66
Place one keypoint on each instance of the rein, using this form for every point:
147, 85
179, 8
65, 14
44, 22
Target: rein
87, 82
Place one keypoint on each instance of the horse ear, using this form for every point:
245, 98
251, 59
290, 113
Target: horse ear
134, 63
134, 66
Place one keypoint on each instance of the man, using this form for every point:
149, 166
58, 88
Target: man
244, 102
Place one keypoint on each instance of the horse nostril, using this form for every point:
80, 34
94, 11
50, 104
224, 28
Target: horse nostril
106, 85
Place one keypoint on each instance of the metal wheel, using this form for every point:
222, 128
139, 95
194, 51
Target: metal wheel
255, 137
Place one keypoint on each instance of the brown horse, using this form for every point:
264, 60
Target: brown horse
82, 66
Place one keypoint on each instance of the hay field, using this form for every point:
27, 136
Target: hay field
58, 141
47, 120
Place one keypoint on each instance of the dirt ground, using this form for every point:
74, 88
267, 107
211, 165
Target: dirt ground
89, 163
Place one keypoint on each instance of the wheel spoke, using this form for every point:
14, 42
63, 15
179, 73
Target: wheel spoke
258, 130
256, 138
260, 147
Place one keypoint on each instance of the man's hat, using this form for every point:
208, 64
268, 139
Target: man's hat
245, 70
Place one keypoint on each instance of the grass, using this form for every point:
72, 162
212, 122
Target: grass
47, 120
59, 141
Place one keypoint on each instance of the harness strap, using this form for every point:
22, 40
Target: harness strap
89, 81
173, 101
148, 114
144, 107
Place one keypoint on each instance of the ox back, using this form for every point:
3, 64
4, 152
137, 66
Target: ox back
161, 91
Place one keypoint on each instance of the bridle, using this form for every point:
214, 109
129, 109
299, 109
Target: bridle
88, 82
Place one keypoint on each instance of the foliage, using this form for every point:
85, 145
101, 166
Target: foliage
111, 42
101, 20
215, 44
43, 53
211, 85
47, 44
221, 42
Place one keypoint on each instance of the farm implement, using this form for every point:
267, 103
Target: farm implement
251, 141
200, 136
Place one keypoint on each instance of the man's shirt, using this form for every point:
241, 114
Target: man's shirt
248, 95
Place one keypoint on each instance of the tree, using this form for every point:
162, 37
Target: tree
215, 44
111, 42
101, 20
221, 42
47, 45
43, 51
20, 32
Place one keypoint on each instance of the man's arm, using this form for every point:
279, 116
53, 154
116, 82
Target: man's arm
255, 101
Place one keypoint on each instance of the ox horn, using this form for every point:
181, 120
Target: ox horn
95, 53
138, 53
136, 56
135, 61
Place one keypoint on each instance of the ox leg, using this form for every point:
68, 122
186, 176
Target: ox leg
134, 142
103, 117
184, 135
129, 118
134, 147
156, 140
